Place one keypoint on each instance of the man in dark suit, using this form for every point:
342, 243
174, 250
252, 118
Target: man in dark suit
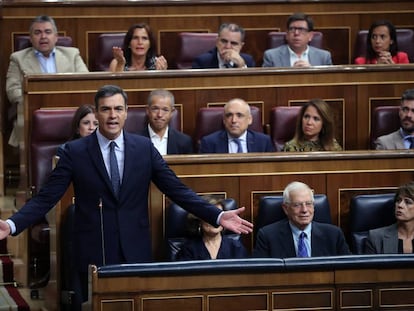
226, 54
166, 139
111, 221
236, 138
403, 138
299, 235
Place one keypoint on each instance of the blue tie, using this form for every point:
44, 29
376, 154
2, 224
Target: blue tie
239, 146
113, 163
411, 140
302, 251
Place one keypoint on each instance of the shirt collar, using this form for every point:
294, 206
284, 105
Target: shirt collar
104, 142
242, 137
152, 134
303, 55
37, 53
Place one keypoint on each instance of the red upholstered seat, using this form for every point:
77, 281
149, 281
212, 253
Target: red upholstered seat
405, 39
385, 120
192, 44
23, 41
277, 38
283, 124
104, 45
210, 119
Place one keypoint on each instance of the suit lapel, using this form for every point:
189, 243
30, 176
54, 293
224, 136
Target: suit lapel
171, 142
391, 240
31, 63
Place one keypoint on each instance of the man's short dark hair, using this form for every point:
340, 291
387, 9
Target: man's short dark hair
233, 28
108, 91
407, 95
300, 17
43, 19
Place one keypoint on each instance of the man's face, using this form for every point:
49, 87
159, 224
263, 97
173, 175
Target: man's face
159, 113
228, 40
111, 115
298, 36
407, 116
237, 118
43, 37
300, 210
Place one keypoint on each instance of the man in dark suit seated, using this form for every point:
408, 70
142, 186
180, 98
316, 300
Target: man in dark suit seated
236, 138
166, 139
226, 54
299, 235
403, 138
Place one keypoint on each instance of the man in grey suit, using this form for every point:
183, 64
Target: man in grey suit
297, 52
43, 57
166, 139
299, 235
403, 138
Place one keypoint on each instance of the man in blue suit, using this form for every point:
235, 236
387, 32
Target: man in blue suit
236, 137
299, 235
297, 52
166, 139
226, 54
111, 222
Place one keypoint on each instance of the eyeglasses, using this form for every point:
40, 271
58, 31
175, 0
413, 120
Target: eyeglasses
156, 109
300, 30
232, 43
308, 204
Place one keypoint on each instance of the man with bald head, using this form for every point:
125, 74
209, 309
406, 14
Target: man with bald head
236, 137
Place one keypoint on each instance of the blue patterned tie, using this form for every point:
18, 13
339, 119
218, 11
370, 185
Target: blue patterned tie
239, 146
113, 163
411, 140
302, 251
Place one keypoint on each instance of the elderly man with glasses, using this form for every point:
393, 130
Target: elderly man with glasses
226, 54
297, 52
299, 235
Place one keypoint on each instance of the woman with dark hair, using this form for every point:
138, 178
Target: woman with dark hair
138, 52
314, 129
397, 238
209, 242
84, 123
382, 46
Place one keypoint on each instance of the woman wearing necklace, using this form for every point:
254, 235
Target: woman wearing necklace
138, 51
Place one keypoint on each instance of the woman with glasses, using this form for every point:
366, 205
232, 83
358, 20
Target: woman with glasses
397, 238
382, 46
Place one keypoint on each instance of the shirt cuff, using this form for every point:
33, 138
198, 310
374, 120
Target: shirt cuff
13, 226
218, 218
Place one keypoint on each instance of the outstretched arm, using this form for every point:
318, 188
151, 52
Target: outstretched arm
232, 221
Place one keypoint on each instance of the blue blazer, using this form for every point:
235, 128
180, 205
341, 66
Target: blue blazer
276, 241
280, 57
195, 249
178, 143
217, 142
210, 60
125, 219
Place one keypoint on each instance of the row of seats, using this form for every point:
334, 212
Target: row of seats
366, 212
192, 44
44, 142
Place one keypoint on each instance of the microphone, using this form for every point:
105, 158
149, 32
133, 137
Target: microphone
100, 205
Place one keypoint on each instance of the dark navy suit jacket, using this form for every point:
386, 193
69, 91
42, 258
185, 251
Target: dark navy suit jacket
276, 241
195, 249
178, 143
210, 60
217, 142
125, 219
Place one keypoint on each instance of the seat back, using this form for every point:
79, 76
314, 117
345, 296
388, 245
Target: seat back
176, 227
104, 44
278, 38
405, 39
369, 212
44, 142
210, 119
283, 124
385, 120
23, 41
192, 44
270, 210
